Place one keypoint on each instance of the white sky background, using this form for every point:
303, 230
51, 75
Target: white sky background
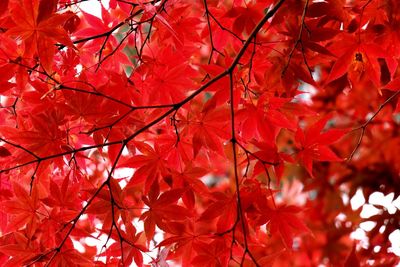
377, 199
93, 7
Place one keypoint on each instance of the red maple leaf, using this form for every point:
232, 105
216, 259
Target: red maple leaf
283, 220
313, 144
40, 28
208, 127
23, 208
162, 209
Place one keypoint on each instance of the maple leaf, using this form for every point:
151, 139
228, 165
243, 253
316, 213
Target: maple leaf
9, 52
360, 61
177, 154
245, 18
97, 25
22, 209
64, 195
150, 165
268, 155
283, 220
314, 144
215, 254
183, 236
71, 257
131, 247
40, 137
174, 116
109, 205
224, 208
189, 180
183, 25
166, 78
39, 28
162, 209
208, 127
264, 120
19, 248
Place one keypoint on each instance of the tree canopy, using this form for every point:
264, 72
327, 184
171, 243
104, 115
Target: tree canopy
200, 133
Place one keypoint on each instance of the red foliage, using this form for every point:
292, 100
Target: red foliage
198, 133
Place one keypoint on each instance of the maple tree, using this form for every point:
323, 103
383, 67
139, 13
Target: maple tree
198, 133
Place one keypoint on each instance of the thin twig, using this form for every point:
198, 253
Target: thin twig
365, 124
